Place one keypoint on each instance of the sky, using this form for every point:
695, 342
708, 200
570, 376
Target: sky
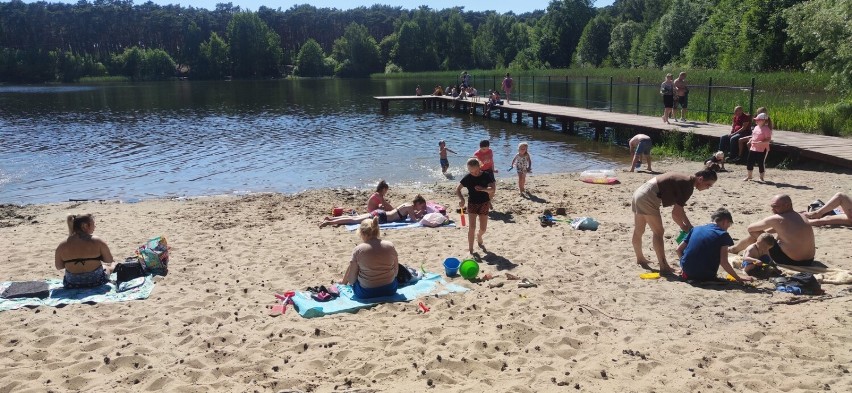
501, 6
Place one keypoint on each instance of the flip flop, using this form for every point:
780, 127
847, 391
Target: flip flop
527, 284
649, 276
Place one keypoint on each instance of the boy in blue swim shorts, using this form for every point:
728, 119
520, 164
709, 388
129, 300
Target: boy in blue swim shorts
442, 150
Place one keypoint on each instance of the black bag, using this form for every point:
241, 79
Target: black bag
804, 281
128, 270
26, 289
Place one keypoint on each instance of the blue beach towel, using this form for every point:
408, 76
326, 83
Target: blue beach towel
139, 288
407, 224
430, 284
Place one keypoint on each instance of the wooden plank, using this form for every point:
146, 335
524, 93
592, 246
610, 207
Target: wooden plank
837, 151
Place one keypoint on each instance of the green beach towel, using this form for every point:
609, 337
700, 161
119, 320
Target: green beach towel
139, 288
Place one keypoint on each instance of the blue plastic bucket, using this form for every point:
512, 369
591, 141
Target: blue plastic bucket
451, 266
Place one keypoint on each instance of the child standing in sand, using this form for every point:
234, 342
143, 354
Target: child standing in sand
523, 163
442, 151
486, 157
480, 190
756, 255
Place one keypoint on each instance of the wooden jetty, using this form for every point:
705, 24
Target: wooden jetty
829, 149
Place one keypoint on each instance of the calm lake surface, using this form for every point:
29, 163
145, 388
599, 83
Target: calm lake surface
134, 141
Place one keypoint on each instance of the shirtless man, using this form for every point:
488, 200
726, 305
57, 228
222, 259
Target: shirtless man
681, 94
818, 217
796, 244
668, 189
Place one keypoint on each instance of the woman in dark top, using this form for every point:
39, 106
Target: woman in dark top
480, 189
83, 255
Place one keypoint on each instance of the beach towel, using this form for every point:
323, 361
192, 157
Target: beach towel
407, 224
430, 284
139, 288
823, 274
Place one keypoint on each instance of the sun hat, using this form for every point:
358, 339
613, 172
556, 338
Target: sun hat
761, 116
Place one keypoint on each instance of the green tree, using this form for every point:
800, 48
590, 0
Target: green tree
621, 42
678, 24
822, 28
310, 61
255, 50
356, 52
414, 51
594, 43
458, 48
213, 60
560, 30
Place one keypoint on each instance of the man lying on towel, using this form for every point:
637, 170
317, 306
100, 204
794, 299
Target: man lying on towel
796, 243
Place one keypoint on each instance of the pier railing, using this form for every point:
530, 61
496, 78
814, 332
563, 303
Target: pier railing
639, 97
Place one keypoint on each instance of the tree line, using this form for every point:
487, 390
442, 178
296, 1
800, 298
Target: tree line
56, 41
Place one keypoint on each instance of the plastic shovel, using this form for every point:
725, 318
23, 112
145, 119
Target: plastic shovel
281, 307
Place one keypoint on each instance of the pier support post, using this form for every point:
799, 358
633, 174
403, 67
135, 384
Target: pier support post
543, 121
535, 120
599, 130
520, 117
571, 126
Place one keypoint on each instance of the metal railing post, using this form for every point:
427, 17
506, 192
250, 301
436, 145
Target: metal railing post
532, 98
751, 99
709, 95
638, 81
610, 94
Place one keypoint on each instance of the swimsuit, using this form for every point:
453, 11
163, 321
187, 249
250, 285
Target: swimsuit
383, 216
780, 257
81, 261
523, 164
644, 147
94, 278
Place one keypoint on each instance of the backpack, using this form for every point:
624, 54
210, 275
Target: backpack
154, 256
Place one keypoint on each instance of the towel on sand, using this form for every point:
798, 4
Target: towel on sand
399, 225
430, 284
139, 288
823, 273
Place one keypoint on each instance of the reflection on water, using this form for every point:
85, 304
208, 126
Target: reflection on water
128, 141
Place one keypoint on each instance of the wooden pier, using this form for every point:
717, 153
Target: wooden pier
829, 149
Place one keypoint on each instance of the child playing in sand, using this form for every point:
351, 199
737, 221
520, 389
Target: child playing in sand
486, 157
442, 150
717, 159
523, 163
756, 255
480, 190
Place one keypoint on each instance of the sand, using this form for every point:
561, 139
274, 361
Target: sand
591, 324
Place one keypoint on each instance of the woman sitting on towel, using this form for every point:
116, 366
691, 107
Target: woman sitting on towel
377, 200
372, 270
415, 210
83, 255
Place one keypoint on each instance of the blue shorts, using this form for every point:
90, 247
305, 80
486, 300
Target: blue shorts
644, 147
445, 163
367, 293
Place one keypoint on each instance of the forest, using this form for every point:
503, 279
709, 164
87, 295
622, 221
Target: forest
43, 42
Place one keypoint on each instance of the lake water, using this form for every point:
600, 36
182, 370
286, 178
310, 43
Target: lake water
134, 141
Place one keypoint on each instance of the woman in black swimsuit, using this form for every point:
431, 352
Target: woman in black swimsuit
416, 210
83, 255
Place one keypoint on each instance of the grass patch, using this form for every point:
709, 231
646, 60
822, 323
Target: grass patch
100, 79
683, 145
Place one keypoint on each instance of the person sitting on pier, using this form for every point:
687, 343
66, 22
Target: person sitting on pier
439, 91
741, 128
824, 216
418, 91
493, 99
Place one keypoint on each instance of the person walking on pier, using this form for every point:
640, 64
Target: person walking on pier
667, 91
682, 92
508, 83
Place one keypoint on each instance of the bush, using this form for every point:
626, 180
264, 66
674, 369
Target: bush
392, 68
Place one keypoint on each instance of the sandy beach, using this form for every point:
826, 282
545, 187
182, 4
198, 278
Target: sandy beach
590, 325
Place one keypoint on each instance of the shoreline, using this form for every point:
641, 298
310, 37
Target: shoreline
591, 322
